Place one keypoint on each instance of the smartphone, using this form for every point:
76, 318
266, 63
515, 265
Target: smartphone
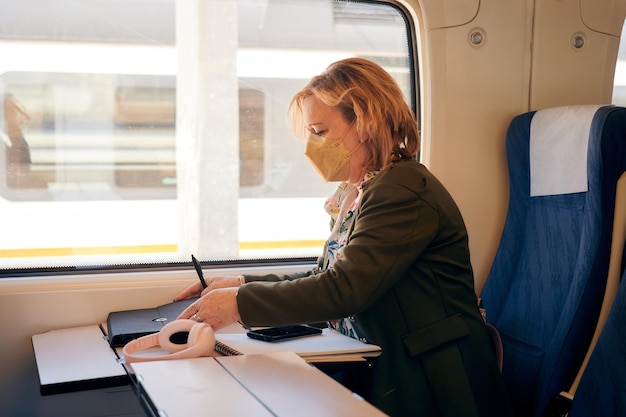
275, 334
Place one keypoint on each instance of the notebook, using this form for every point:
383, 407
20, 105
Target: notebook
124, 326
328, 346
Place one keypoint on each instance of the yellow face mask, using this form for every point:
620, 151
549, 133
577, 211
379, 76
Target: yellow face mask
329, 157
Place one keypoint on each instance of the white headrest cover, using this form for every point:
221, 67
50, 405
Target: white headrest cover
559, 138
182, 338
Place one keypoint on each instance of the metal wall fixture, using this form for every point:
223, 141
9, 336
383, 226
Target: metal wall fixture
477, 37
578, 41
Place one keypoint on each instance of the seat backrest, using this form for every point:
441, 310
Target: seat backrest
545, 288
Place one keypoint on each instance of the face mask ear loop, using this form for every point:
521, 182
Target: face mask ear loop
356, 148
343, 137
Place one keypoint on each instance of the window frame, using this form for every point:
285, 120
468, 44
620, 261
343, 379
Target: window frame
410, 27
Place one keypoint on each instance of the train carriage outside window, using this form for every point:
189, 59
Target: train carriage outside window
137, 132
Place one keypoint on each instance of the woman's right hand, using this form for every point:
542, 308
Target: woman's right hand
195, 290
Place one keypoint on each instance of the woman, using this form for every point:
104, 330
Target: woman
396, 268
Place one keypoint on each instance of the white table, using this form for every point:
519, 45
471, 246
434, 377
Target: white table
271, 384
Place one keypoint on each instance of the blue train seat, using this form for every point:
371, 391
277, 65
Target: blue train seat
545, 288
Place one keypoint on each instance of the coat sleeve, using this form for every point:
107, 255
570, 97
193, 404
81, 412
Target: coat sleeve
394, 225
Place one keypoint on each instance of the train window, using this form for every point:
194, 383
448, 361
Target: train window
140, 131
619, 81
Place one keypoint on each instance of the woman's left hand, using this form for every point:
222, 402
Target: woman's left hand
217, 308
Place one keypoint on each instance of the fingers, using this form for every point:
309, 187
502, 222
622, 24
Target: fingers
192, 291
218, 308
217, 282
191, 312
213, 283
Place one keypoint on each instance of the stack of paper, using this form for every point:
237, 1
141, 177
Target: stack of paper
329, 346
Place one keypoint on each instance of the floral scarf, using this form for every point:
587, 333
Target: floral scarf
342, 206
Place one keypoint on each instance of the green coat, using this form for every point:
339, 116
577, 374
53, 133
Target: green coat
406, 280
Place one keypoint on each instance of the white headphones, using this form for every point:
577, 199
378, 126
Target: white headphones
183, 338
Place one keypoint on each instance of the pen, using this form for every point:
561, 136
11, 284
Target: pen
196, 265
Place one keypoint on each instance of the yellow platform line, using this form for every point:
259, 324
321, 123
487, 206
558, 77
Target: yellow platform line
144, 249
281, 244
